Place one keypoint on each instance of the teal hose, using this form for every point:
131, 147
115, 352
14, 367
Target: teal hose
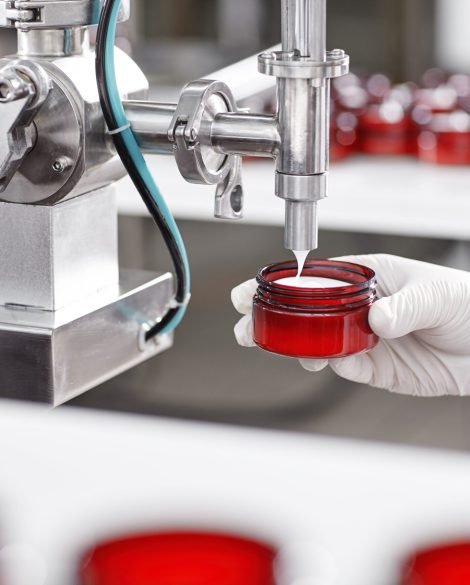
135, 153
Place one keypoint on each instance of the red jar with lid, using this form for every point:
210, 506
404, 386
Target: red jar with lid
315, 322
179, 558
443, 565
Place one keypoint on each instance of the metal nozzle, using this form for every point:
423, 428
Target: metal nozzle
301, 228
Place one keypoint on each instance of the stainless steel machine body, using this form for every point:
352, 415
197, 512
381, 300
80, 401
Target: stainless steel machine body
68, 319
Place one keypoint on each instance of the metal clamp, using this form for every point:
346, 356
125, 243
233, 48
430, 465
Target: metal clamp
190, 131
10, 15
49, 14
292, 66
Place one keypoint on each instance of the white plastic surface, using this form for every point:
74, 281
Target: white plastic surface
243, 77
371, 195
348, 511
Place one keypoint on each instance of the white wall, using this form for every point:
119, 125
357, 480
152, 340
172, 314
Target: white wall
453, 34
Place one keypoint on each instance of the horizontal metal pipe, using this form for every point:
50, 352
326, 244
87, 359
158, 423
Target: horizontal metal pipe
243, 134
150, 122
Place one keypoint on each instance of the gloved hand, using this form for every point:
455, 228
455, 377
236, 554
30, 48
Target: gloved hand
423, 319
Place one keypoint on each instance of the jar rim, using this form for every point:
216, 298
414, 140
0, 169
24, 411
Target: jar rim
357, 276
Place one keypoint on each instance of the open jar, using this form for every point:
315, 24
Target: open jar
315, 322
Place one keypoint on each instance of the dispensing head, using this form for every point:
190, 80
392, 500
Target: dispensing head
301, 226
303, 70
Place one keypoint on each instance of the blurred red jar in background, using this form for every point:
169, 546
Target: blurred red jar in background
178, 558
446, 139
440, 99
387, 129
343, 135
446, 565
378, 87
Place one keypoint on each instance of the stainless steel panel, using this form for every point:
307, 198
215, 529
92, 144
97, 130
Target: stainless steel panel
52, 256
54, 356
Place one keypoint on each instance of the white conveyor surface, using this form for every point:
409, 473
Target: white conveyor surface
371, 195
350, 510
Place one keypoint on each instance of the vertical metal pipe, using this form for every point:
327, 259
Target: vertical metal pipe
303, 112
304, 27
303, 106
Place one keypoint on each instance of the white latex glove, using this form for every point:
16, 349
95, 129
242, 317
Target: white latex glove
423, 319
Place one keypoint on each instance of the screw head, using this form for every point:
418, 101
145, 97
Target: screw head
57, 166
60, 165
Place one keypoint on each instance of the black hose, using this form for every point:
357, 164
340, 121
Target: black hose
137, 179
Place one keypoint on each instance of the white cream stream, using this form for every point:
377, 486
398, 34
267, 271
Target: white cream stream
301, 257
300, 281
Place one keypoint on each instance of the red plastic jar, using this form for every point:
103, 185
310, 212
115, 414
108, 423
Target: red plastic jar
179, 558
315, 322
445, 565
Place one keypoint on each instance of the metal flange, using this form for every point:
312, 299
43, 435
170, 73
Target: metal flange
291, 65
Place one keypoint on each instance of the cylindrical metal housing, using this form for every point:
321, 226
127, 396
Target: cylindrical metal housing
303, 125
53, 43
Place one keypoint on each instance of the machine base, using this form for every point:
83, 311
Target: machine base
53, 356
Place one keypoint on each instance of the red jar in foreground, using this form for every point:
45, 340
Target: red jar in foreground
315, 322
179, 558
446, 565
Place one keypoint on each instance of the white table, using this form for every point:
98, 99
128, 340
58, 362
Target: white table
349, 510
371, 195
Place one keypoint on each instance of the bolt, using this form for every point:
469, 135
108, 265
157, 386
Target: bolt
337, 54
193, 135
268, 56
